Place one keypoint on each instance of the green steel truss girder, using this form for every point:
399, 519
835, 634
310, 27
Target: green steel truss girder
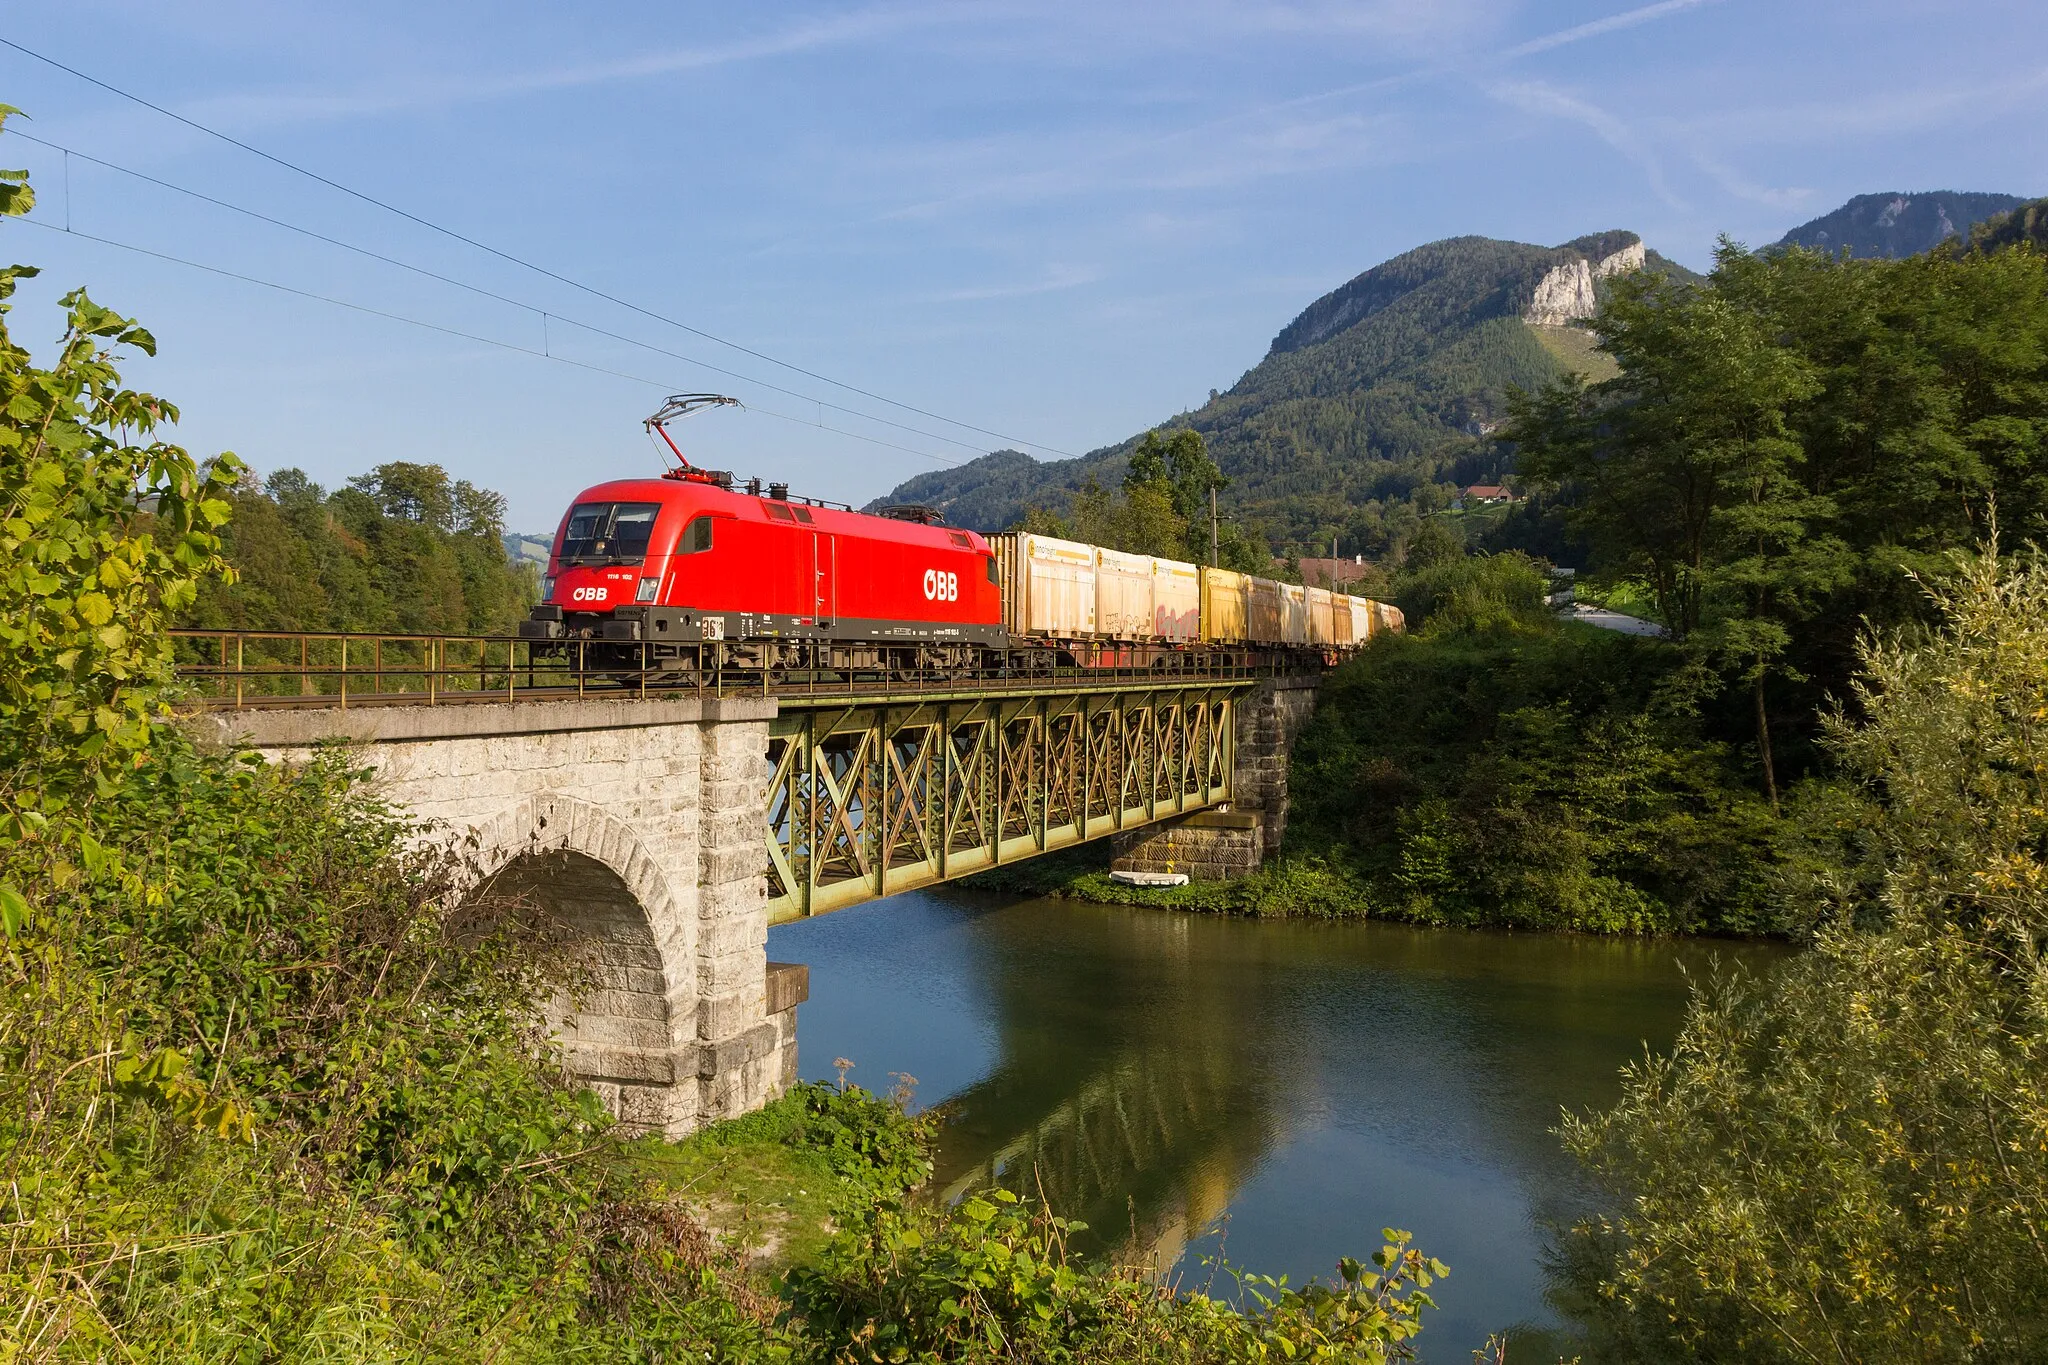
870, 798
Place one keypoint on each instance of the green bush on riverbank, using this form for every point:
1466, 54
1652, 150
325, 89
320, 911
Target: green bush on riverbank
1544, 777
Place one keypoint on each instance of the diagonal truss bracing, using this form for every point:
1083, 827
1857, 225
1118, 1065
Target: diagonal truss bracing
869, 799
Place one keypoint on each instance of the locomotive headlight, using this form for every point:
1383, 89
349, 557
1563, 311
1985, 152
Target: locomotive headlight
648, 587
547, 586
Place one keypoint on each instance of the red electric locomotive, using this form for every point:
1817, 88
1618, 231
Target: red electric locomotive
687, 572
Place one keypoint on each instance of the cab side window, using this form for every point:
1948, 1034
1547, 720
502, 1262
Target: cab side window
696, 537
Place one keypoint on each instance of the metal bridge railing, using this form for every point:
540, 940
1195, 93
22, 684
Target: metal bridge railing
242, 669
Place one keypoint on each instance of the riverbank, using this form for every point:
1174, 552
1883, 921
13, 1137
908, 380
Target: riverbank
1286, 887
771, 1188
807, 1231
1306, 886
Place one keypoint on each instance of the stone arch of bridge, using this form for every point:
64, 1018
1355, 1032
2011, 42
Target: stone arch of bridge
627, 1027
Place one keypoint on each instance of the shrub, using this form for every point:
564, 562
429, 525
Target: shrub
991, 1279
1849, 1160
1536, 778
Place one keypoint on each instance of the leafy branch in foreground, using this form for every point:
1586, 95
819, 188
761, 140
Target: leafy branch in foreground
991, 1279
86, 578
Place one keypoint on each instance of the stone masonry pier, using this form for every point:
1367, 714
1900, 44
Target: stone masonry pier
635, 828
1222, 845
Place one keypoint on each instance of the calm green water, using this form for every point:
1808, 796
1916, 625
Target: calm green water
1276, 1091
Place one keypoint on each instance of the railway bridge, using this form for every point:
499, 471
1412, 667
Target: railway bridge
664, 826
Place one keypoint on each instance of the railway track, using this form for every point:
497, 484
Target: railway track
283, 670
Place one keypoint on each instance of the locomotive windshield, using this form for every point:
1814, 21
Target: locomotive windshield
608, 532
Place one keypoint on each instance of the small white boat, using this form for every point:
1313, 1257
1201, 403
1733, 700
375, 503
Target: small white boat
1150, 878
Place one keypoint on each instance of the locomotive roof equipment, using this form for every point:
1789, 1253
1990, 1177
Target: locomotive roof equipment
682, 405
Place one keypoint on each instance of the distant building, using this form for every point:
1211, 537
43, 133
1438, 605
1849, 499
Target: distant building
1482, 493
1334, 573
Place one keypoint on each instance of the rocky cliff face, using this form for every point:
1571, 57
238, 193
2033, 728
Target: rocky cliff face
1565, 294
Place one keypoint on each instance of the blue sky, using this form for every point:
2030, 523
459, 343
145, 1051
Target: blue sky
1059, 222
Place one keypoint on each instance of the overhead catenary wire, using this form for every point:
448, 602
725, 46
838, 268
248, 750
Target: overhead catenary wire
445, 330
545, 315
508, 257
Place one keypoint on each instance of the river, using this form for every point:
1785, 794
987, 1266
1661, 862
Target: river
1274, 1091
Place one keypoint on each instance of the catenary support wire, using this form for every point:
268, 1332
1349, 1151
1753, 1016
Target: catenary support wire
506, 256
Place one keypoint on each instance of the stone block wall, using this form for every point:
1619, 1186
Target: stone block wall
637, 824
1268, 722
1210, 846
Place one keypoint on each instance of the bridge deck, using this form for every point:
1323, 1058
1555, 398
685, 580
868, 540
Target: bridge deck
250, 670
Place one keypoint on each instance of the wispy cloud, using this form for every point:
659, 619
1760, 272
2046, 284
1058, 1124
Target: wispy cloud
859, 26
1613, 23
1056, 278
1560, 38
1742, 187
1279, 142
1536, 97
1893, 110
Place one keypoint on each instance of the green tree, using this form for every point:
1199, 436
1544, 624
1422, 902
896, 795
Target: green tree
1434, 544
1849, 1160
402, 547
1782, 443
1148, 465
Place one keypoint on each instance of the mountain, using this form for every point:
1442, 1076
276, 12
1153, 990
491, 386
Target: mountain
1384, 385
527, 549
1897, 224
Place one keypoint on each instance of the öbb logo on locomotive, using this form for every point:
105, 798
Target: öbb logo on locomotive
587, 595
940, 586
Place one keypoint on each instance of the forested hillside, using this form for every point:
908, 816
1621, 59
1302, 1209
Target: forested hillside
1368, 409
1895, 224
401, 548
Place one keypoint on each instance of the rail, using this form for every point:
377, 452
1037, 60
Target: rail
245, 669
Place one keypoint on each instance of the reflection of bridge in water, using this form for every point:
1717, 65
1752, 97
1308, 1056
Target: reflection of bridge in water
1146, 1154
1143, 1136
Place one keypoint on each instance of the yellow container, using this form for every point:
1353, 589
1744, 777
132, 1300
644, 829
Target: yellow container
1293, 614
1322, 616
1266, 613
1123, 595
1225, 601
